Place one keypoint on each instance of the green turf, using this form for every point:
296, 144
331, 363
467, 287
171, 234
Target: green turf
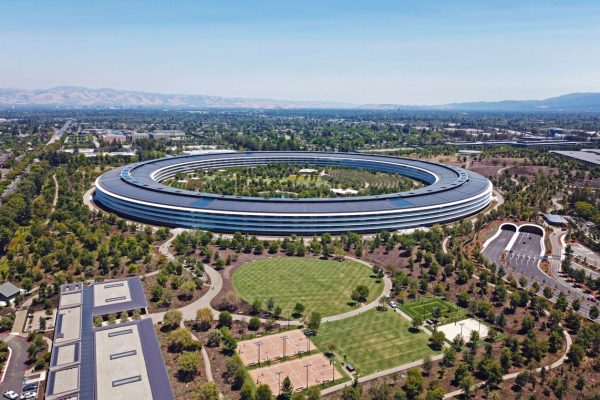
373, 340
423, 307
320, 285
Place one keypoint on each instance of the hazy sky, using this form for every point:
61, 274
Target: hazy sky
405, 52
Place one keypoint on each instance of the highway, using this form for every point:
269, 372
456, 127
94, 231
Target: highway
59, 133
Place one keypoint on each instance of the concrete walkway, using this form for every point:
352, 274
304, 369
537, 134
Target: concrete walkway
513, 375
380, 374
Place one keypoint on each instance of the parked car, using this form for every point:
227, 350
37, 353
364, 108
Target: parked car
10, 394
393, 304
28, 395
30, 387
350, 368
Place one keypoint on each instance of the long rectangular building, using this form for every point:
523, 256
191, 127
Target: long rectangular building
121, 361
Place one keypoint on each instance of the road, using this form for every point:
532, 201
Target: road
59, 133
556, 240
493, 251
525, 256
13, 380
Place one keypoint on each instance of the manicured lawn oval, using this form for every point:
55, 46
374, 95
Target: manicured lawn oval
320, 285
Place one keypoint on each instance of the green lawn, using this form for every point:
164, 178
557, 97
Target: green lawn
423, 306
320, 285
373, 340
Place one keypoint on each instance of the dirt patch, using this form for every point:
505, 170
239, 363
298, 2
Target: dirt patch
181, 390
532, 171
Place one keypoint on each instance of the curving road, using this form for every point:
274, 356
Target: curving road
13, 379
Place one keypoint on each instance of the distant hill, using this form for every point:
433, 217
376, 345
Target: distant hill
573, 102
79, 97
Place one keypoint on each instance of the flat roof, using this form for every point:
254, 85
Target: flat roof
117, 296
121, 361
587, 157
555, 219
444, 183
7, 289
129, 363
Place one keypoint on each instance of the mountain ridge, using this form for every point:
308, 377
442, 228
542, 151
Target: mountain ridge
83, 97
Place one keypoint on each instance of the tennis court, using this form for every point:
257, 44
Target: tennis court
424, 306
317, 366
272, 347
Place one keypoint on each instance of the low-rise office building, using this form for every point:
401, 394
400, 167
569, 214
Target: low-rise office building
119, 361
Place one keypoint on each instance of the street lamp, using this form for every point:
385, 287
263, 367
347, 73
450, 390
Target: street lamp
284, 339
307, 366
258, 344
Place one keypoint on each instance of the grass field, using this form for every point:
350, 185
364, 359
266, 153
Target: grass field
373, 340
424, 306
320, 285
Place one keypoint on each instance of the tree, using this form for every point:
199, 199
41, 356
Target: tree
286, 389
181, 339
254, 323
427, 365
187, 289
247, 391
413, 387
234, 372
594, 313
213, 339
298, 309
576, 354
449, 356
437, 339
229, 342
314, 321
189, 364
416, 322
124, 317
225, 319
98, 321
172, 319
42, 323
436, 393
208, 391
204, 317
263, 392
350, 393
522, 379
360, 294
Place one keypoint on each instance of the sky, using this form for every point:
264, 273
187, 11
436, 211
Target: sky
371, 51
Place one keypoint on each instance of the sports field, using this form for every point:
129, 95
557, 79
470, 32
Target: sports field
373, 340
424, 307
320, 285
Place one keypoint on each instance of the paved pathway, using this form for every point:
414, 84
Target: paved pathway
379, 374
54, 201
513, 375
13, 379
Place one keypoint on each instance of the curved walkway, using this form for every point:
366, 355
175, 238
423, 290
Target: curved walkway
216, 285
513, 375
54, 200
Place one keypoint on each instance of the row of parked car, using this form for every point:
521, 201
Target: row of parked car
29, 391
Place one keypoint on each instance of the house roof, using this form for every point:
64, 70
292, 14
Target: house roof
7, 289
